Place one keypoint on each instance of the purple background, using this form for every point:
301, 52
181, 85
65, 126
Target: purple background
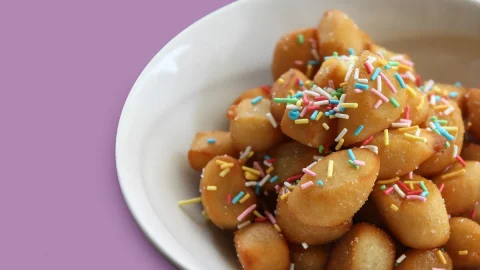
65, 72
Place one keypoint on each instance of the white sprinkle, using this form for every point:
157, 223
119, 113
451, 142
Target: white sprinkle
397, 57
321, 102
329, 90
455, 151
417, 133
311, 93
360, 80
292, 266
342, 115
448, 111
342, 100
267, 163
250, 184
311, 165
317, 158
401, 258
349, 72
272, 120
411, 76
355, 74
246, 152
428, 86
264, 180
304, 245
371, 59
341, 134
379, 83
323, 92
294, 107
315, 54
432, 100
244, 224
429, 129
432, 125
399, 191
287, 184
372, 148
400, 125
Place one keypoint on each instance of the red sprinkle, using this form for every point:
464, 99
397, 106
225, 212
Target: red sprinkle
460, 160
368, 67
271, 160
320, 98
369, 139
229, 198
260, 219
267, 89
388, 190
403, 186
474, 213
313, 108
295, 177
416, 192
407, 112
419, 80
297, 81
327, 149
441, 187
305, 100
418, 185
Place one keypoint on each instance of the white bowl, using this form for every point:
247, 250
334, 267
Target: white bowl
189, 84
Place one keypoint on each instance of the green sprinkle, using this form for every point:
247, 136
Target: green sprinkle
335, 54
210, 140
433, 118
300, 39
321, 149
285, 100
355, 166
393, 63
394, 102
383, 187
447, 144
422, 185
256, 100
442, 122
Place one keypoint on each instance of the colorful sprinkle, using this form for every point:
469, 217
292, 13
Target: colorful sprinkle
361, 86
306, 185
380, 95
399, 191
325, 126
309, 172
339, 145
244, 198
441, 257
453, 174
330, 169
386, 137
341, 134
463, 252
238, 197
301, 121
351, 51
272, 120
213, 188
190, 201
401, 258
375, 74
320, 183
246, 212
256, 100
394, 207
300, 39
224, 172
416, 197
394, 102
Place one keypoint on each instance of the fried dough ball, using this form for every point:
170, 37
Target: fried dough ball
418, 259
290, 80
464, 243
312, 258
207, 145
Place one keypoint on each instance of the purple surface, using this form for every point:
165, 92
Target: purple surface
66, 68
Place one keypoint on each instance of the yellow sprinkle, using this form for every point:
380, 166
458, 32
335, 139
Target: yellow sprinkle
251, 176
394, 207
256, 213
277, 227
343, 84
250, 170
415, 138
226, 165
301, 121
325, 126
244, 198
339, 144
270, 169
204, 214
330, 169
405, 67
411, 182
318, 116
335, 98
463, 252
211, 187
420, 105
349, 105
410, 185
281, 81
445, 93
385, 136
449, 128
308, 83
441, 107
291, 188
251, 154
220, 162
190, 201
309, 71
441, 257
406, 129
389, 181
410, 91
383, 62
299, 102
331, 116
284, 196
224, 172
394, 67
291, 92
453, 174
437, 90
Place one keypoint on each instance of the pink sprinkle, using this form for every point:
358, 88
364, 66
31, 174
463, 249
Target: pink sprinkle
474, 213
434, 268
388, 190
460, 160
271, 217
404, 76
304, 111
298, 62
406, 62
368, 67
380, 54
407, 112
276, 188
257, 166
330, 83
410, 175
358, 91
229, 198
405, 121
444, 101
441, 187
416, 197
246, 212
313, 108
308, 171
440, 113
307, 184
377, 104
359, 162
380, 95
305, 100
388, 82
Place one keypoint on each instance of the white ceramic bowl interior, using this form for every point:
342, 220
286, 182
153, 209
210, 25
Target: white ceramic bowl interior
189, 84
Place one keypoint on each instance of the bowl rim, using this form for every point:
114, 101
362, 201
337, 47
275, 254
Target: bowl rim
132, 205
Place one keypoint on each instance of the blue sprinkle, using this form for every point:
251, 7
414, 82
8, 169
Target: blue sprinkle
314, 115
437, 98
210, 140
351, 155
400, 80
453, 95
351, 51
375, 73
387, 67
257, 190
266, 157
256, 100
327, 57
424, 194
458, 84
298, 95
238, 197
358, 130
342, 109
333, 101
319, 182
273, 179
314, 62
300, 82
443, 132
361, 86
294, 114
